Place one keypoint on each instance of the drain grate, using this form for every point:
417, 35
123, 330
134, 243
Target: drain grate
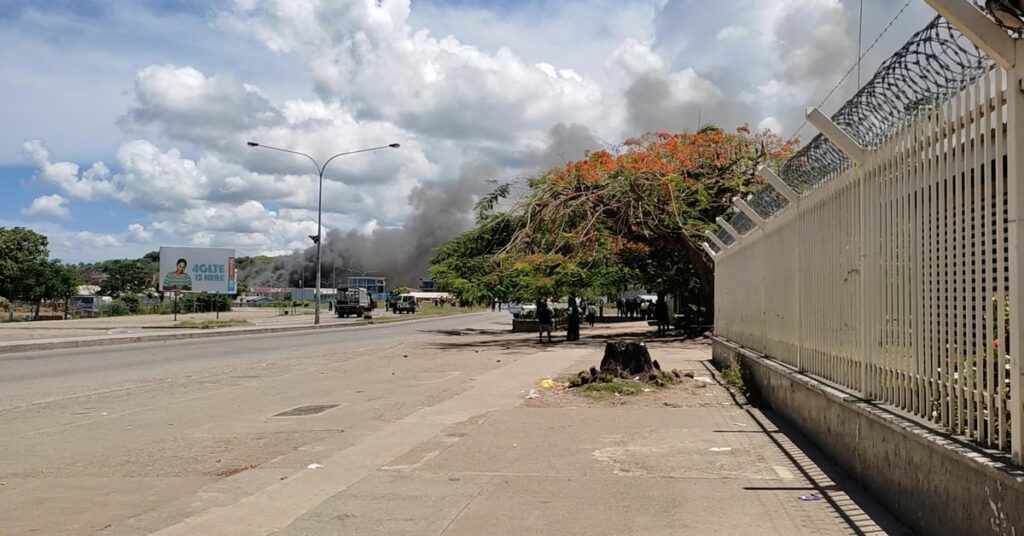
303, 411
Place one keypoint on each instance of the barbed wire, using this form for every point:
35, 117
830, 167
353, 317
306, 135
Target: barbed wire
935, 63
856, 64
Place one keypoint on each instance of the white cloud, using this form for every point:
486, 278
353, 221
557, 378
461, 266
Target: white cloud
472, 91
635, 58
368, 56
773, 124
155, 180
48, 206
66, 176
96, 241
732, 33
138, 234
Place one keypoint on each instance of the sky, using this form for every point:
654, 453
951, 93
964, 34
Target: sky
124, 124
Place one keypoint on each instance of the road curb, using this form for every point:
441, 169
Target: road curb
19, 347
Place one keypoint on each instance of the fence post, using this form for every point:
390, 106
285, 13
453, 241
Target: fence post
1015, 194
711, 236
711, 253
858, 154
985, 34
793, 198
728, 228
745, 208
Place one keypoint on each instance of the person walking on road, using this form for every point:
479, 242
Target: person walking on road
591, 314
544, 320
573, 328
661, 315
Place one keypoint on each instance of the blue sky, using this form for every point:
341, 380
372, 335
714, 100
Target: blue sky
164, 93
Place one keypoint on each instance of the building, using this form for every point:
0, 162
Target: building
309, 294
274, 293
427, 284
375, 286
428, 296
253, 301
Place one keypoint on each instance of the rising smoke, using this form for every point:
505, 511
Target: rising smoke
442, 211
401, 254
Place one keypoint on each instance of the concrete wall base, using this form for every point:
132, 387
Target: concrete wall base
932, 481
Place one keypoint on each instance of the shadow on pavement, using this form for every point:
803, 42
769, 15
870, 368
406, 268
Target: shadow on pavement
848, 502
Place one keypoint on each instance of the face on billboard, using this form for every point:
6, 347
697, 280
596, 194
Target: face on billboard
198, 270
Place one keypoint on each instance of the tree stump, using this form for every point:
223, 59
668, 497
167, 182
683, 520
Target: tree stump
627, 356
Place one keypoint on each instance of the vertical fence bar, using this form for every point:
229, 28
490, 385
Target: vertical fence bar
945, 212
963, 204
1015, 163
977, 245
988, 156
918, 241
1001, 265
865, 348
931, 357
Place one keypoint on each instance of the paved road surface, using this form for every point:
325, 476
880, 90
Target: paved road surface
430, 434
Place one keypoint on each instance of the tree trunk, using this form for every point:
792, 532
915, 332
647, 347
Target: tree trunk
626, 356
706, 273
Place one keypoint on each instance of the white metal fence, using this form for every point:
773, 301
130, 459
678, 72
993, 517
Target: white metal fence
900, 277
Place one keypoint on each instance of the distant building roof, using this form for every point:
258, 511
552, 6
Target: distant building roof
88, 290
428, 295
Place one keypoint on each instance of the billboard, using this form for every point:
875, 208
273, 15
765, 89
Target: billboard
209, 270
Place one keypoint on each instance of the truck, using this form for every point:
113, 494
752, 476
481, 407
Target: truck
351, 301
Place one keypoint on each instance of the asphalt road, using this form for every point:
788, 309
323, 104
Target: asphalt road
423, 428
101, 438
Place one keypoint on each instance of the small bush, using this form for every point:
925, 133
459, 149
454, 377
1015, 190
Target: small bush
737, 376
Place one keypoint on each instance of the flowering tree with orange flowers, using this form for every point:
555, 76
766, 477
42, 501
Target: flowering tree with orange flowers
632, 217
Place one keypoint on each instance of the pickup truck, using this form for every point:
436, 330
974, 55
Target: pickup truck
351, 301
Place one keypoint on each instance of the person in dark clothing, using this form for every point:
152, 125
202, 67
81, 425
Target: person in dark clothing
544, 320
661, 315
620, 307
573, 327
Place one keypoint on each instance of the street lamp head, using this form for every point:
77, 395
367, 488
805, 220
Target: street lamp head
252, 144
394, 145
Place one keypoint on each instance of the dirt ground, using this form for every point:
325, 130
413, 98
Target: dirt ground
685, 393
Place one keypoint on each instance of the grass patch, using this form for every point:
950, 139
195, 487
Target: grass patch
737, 376
615, 387
211, 324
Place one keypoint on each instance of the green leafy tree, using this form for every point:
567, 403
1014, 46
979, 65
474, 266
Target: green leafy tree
19, 247
40, 281
631, 217
124, 277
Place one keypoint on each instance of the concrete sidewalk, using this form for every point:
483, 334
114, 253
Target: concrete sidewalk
690, 459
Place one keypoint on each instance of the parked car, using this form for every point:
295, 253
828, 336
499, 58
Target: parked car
405, 304
522, 309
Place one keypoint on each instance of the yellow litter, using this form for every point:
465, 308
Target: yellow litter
548, 384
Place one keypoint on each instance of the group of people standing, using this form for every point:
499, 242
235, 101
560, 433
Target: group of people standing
645, 309
579, 311
636, 308
576, 313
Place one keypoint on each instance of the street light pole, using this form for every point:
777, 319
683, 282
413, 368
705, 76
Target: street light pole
319, 205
